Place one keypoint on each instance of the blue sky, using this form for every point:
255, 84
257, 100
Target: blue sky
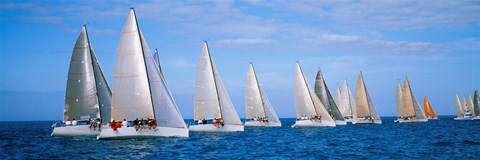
435, 43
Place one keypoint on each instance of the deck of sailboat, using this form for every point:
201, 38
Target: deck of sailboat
212, 128
262, 124
79, 130
410, 120
131, 133
313, 123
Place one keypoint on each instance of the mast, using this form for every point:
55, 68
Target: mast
144, 62
214, 80
308, 89
259, 92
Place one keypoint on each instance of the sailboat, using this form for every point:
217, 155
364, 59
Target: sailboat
310, 111
429, 113
140, 90
347, 104
258, 108
410, 110
212, 102
366, 112
321, 90
462, 113
476, 106
87, 94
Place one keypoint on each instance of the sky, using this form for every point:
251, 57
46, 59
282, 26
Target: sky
435, 43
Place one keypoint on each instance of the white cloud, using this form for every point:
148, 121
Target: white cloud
245, 41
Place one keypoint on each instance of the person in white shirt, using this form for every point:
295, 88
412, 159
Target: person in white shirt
68, 123
74, 122
125, 123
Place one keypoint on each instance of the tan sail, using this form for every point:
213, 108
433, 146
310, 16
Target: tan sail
361, 98
428, 108
399, 99
407, 100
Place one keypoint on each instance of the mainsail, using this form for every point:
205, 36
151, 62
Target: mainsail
399, 99
87, 92
459, 107
410, 105
140, 90
211, 98
321, 90
428, 108
476, 104
307, 104
256, 102
364, 104
349, 109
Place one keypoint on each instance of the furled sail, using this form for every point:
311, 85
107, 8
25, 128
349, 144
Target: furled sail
399, 99
81, 99
307, 104
459, 107
476, 103
348, 102
211, 98
131, 89
321, 90
364, 104
428, 108
256, 101
165, 109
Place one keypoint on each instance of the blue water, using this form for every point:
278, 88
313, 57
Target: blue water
444, 139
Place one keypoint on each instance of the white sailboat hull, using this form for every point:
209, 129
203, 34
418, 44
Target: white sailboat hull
433, 118
338, 122
476, 118
463, 118
352, 121
410, 120
80, 130
212, 128
262, 124
310, 123
366, 121
131, 133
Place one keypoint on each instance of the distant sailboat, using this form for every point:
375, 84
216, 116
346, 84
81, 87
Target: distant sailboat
310, 111
476, 106
410, 110
87, 95
258, 108
429, 113
321, 90
366, 112
140, 90
347, 104
462, 113
212, 102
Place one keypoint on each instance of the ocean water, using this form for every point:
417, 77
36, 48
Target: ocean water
443, 139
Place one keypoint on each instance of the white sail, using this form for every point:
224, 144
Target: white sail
464, 104
165, 109
211, 98
207, 105
459, 107
399, 98
256, 101
364, 104
81, 99
306, 103
253, 99
337, 98
348, 102
470, 103
131, 90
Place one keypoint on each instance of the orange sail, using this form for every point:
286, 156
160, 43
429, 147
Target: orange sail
429, 113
